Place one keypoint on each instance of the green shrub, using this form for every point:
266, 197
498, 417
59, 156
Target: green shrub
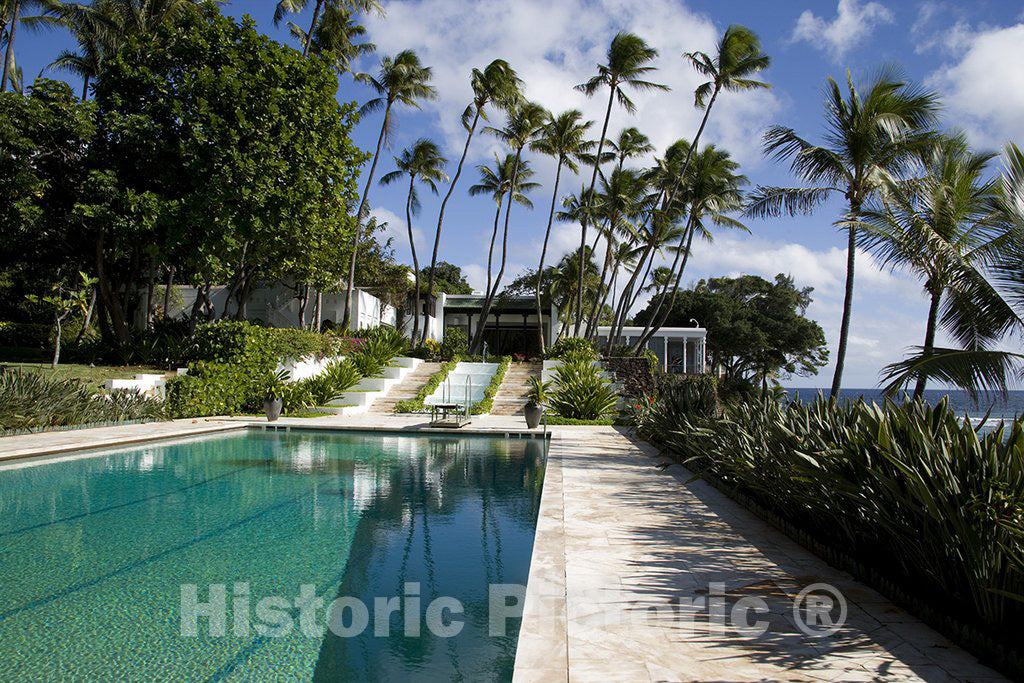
215, 389
331, 384
538, 390
31, 400
484, 405
298, 344
576, 348
676, 395
907, 493
581, 392
389, 338
415, 404
25, 334
455, 343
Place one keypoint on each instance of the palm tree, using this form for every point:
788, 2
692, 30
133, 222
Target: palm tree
285, 7
659, 227
523, 123
497, 182
628, 60
335, 37
937, 226
711, 190
11, 16
499, 85
624, 194
563, 139
404, 80
869, 138
630, 143
738, 58
422, 161
564, 281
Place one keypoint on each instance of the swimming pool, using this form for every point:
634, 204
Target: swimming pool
100, 556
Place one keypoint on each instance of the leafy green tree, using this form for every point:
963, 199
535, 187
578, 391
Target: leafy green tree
563, 137
185, 114
400, 79
628, 62
44, 139
757, 330
65, 300
872, 133
496, 85
630, 144
423, 162
523, 124
449, 279
337, 37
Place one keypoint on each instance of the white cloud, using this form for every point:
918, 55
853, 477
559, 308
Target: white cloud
984, 91
853, 23
553, 47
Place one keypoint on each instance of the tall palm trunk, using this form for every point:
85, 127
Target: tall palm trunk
440, 214
490, 250
844, 327
9, 53
583, 223
415, 261
85, 87
312, 26
489, 300
345, 319
543, 255
929, 335
667, 310
595, 308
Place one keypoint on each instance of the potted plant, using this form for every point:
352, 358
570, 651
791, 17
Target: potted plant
535, 401
275, 395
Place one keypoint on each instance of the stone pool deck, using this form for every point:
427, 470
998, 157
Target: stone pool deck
640, 574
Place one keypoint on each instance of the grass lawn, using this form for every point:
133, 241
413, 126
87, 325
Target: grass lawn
93, 375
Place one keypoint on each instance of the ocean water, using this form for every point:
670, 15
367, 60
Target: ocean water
997, 407
94, 552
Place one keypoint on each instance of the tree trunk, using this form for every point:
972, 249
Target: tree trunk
490, 250
929, 337
844, 328
663, 290
85, 88
665, 311
415, 263
197, 307
583, 222
167, 292
56, 345
111, 304
359, 221
150, 293
87, 322
598, 298
9, 53
303, 297
440, 214
543, 255
318, 311
312, 27
489, 300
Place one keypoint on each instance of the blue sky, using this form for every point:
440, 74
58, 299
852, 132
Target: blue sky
968, 52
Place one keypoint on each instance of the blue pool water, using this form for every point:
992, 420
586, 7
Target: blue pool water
94, 552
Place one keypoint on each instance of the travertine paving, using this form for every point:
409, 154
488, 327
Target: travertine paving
660, 579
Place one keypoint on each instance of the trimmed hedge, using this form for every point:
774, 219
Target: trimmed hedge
415, 405
484, 405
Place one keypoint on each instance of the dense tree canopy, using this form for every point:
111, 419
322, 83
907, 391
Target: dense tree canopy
756, 329
44, 138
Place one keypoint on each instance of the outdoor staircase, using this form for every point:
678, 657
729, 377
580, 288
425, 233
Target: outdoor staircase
408, 388
512, 394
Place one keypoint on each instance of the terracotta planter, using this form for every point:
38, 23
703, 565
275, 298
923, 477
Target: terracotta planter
273, 407
533, 412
